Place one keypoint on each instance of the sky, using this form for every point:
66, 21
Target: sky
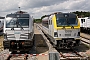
38, 8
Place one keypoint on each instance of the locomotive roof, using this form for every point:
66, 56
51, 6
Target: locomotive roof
18, 15
66, 15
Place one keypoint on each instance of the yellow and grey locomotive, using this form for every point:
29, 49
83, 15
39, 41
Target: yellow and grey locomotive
63, 29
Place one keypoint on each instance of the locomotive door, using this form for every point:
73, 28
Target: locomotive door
50, 26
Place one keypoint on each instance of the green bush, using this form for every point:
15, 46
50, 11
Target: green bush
37, 20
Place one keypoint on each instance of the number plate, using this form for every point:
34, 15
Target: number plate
67, 34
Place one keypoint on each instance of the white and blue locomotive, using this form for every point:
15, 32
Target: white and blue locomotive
18, 31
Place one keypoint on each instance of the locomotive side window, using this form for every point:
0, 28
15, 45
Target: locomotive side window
82, 20
50, 22
45, 23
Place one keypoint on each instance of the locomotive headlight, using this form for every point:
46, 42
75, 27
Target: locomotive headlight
78, 34
22, 43
55, 34
12, 43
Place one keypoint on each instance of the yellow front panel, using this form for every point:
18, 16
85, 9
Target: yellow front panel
66, 27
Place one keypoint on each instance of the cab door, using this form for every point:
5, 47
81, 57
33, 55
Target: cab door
50, 26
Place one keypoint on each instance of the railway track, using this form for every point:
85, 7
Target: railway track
22, 57
70, 54
7, 55
85, 40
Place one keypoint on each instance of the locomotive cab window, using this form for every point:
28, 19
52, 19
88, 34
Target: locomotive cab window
17, 20
66, 20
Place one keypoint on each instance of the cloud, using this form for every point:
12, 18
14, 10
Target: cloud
38, 8
66, 6
38, 3
8, 5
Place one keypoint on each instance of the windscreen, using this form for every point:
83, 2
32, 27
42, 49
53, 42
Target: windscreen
17, 22
66, 20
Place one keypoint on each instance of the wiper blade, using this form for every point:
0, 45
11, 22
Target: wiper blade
20, 26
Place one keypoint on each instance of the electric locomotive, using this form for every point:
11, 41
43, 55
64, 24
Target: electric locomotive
63, 29
18, 31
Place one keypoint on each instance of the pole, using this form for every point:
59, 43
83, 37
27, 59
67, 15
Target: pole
19, 8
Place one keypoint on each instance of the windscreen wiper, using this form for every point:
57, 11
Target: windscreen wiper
20, 25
